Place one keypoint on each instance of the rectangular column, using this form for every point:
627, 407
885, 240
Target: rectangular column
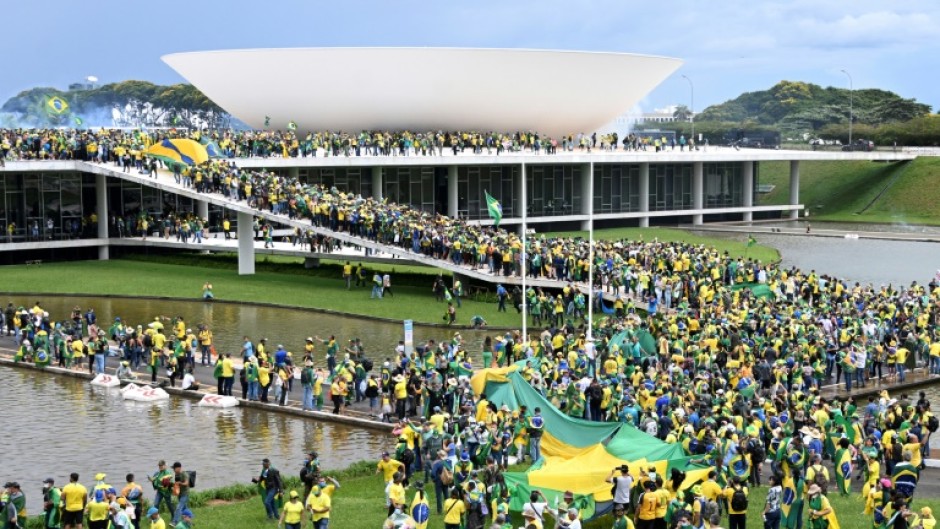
587, 193
378, 188
794, 188
645, 194
202, 209
747, 174
101, 210
452, 196
698, 191
246, 244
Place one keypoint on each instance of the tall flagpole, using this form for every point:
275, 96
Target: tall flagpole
590, 197
522, 258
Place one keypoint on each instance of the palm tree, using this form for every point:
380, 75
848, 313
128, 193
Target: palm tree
682, 113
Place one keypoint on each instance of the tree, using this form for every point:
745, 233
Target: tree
682, 113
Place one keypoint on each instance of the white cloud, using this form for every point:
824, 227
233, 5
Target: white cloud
867, 30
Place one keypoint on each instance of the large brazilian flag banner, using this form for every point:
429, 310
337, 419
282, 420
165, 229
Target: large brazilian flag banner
577, 454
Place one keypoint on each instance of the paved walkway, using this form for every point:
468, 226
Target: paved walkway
757, 228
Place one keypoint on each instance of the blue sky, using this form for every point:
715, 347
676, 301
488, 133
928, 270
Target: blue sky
728, 46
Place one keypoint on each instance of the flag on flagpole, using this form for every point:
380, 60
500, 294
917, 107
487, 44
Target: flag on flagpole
494, 208
267, 121
292, 125
78, 121
751, 241
57, 105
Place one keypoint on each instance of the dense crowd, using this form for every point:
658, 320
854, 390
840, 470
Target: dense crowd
118, 145
734, 375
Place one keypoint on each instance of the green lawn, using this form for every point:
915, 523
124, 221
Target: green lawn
841, 191
289, 285
735, 248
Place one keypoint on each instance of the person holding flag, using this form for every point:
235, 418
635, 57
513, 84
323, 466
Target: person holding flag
791, 501
494, 208
842, 463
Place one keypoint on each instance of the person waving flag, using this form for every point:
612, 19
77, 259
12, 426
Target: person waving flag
494, 208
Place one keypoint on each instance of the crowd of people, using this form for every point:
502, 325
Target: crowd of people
126, 147
735, 375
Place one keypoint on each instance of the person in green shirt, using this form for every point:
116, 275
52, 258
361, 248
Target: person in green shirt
15, 508
162, 481
51, 499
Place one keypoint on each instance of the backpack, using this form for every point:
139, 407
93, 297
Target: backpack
447, 475
933, 423
756, 448
367, 365
148, 340
192, 478
819, 478
709, 509
408, 457
305, 376
739, 499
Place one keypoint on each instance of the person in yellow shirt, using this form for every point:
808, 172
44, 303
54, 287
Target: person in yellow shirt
292, 512
388, 467
737, 512
319, 504
74, 497
647, 507
396, 493
455, 507
156, 521
98, 510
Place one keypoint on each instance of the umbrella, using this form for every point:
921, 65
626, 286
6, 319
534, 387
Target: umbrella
179, 151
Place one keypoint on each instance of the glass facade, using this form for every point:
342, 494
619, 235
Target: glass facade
670, 186
129, 199
29, 201
616, 188
423, 188
355, 180
723, 185
473, 182
553, 190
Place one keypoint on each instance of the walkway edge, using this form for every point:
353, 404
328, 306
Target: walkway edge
197, 396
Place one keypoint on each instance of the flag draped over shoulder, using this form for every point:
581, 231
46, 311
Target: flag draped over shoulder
843, 467
420, 512
494, 208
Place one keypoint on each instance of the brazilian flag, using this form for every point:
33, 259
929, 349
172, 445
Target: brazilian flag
56, 105
78, 121
420, 512
494, 208
751, 241
905, 478
291, 125
791, 501
740, 466
843, 467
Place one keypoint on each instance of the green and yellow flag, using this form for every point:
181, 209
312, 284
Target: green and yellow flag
751, 241
292, 125
494, 208
78, 121
57, 105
